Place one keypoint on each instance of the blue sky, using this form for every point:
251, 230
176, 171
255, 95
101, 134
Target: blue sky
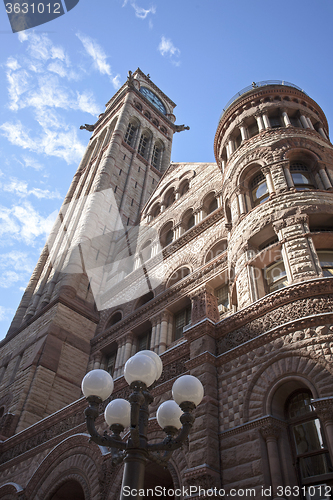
59, 76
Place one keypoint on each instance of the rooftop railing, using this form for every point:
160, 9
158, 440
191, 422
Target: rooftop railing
256, 85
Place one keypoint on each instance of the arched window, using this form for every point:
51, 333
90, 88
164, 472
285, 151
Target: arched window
155, 210
143, 144
212, 206
216, 250
178, 275
146, 251
130, 133
169, 198
275, 275
70, 489
301, 176
166, 235
156, 159
307, 439
209, 204
144, 299
184, 187
188, 220
259, 189
114, 319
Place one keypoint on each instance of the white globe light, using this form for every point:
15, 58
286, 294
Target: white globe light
118, 411
97, 383
187, 388
157, 360
169, 413
140, 367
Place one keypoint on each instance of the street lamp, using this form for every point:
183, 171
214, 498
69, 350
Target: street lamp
174, 416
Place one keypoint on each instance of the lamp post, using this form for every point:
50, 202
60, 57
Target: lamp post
174, 416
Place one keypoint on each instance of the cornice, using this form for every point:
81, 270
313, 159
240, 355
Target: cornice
254, 424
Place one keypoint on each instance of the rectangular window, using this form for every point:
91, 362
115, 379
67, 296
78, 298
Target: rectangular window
222, 295
144, 341
182, 318
111, 362
129, 134
276, 276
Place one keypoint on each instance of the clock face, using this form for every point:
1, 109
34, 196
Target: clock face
153, 99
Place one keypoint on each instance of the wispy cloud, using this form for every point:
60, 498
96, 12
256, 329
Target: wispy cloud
39, 82
167, 49
140, 12
23, 223
20, 188
65, 145
15, 266
5, 313
32, 162
98, 55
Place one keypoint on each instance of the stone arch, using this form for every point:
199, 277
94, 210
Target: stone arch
74, 458
10, 491
179, 274
286, 364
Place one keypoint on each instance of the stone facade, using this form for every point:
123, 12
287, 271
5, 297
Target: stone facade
224, 269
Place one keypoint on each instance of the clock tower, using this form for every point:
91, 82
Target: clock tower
46, 350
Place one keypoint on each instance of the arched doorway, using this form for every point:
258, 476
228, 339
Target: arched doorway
70, 490
158, 476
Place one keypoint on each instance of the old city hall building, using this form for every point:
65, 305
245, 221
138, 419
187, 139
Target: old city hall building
224, 269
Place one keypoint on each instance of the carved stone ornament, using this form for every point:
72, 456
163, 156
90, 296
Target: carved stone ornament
270, 431
324, 409
90, 128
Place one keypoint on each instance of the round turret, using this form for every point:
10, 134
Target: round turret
277, 161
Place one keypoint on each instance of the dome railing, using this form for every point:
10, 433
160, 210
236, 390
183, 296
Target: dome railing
257, 85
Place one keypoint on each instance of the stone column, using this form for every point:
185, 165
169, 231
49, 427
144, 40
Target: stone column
322, 131
156, 246
324, 177
288, 177
128, 346
219, 200
267, 173
310, 122
117, 365
318, 180
177, 231
266, 120
97, 360
170, 330
177, 194
164, 332
153, 332
198, 215
223, 165
260, 122
286, 119
271, 432
243, 131
304, 121
231, 146
241, 200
